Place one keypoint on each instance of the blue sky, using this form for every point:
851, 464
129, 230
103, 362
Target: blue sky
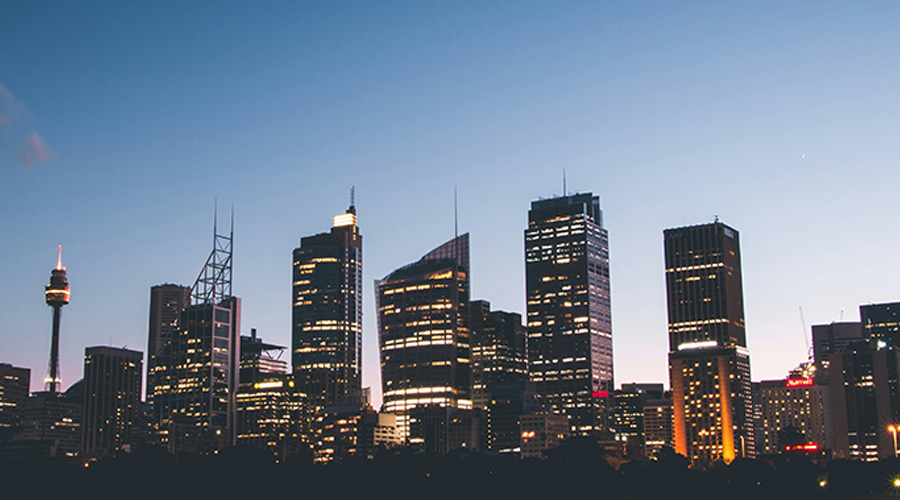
780, 118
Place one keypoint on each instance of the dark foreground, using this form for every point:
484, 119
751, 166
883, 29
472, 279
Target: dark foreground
572, 472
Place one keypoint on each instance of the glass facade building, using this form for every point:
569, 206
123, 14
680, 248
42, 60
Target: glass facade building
570, 349
327, 314
423, 330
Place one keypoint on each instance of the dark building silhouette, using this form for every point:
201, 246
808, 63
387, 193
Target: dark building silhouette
658, 418
508, 402
499, 343
709, 365
327, 313
881, 322
423, 330
442, 429
569, 311
166, 303
57, 295
112, 399
865, 397
54, 418
14, 387
197, 372
831, 339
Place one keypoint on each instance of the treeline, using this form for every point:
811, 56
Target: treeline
578, 469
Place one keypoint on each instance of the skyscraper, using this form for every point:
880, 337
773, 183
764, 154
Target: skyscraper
709, 365
197, 372
569, 309
327, 313
112, 398
423, 332
57, 295
166, 303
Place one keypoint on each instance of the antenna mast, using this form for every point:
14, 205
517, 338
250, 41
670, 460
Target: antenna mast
455, 215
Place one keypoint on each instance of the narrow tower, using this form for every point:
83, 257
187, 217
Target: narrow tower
57, 295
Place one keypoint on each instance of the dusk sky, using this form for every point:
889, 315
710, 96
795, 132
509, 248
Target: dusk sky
122, 123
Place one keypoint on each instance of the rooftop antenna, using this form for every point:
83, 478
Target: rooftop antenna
352, 196
809, 350
564, 183
716, 218
455, 215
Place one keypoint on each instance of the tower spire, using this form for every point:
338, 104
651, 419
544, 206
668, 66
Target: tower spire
59, 266
56, 293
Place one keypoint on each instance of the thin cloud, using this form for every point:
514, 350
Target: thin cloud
10, 107
33, 151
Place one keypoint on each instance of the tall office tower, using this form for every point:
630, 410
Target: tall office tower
881, 322
327, 313
57, 295
196, 379
112, 398
423, 332
14, 384
831, 339
799, 401
499, 350
865, 398
166, 303
569, 311
709, 365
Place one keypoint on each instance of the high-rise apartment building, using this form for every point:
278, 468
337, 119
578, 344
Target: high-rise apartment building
499, 350
112, 398
881, 322
327, 313
569, 310
423, 331
709, 365
197, 372
14, 387
166, 303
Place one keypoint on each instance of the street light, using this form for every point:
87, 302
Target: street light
893, 430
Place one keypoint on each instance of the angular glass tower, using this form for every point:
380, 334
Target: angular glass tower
709, 365
423, 332
569, 310
326, 341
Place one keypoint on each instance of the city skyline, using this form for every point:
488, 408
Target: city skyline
790, 107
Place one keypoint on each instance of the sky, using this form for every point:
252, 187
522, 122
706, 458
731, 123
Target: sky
122, 124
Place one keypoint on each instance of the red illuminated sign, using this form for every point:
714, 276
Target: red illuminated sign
802, 447
601, 394
799, 382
